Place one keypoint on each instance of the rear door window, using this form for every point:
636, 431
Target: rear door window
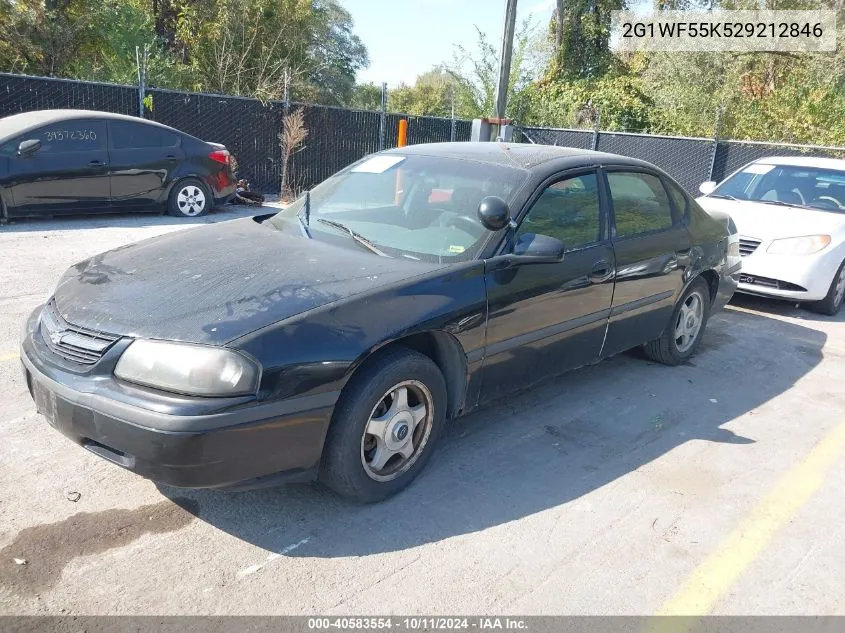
640, 203
129, 135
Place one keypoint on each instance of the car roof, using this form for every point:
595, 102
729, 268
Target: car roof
804, 161
520, 155
15, 124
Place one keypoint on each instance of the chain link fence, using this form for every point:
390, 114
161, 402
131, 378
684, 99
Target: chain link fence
20, 93
582, 139
687, 160
690, 161
339, 136
247, 127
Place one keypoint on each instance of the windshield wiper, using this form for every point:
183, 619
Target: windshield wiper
355, 236
782, 204
726, 196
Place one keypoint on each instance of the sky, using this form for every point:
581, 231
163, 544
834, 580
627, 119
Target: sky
405, 38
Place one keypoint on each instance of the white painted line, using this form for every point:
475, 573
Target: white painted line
271, 557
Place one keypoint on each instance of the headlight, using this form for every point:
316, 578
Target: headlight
799, 245
190, 369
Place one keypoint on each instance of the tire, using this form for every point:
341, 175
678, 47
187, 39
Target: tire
367, 467
189, 198
832, 302
672, 349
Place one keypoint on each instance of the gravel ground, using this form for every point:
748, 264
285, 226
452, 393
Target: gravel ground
622, 488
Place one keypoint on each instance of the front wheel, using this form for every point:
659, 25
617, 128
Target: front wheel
385, 426
188, 199
832, 302
683, 333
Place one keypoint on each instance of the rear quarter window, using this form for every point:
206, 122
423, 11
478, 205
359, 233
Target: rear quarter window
679, 199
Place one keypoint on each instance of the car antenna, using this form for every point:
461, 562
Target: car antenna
307, 207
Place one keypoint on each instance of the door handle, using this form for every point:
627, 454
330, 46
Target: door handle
96, 163
601, 272
171, 158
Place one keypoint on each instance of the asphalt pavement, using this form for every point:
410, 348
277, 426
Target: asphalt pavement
626, 487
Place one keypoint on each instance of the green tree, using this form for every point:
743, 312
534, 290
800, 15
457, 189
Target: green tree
430, 95
476, 73
623, 103
366, 96
242, 47
42, 37
581, 31
336, 54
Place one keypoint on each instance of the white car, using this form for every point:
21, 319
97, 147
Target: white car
790, 215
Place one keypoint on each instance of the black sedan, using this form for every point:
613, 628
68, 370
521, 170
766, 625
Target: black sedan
75, 161
336, 338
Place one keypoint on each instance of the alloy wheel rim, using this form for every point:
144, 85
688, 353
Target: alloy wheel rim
190, 200
689, 321
397, 430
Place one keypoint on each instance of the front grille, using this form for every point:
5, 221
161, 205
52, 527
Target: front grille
747, 245
777, 284
71, 342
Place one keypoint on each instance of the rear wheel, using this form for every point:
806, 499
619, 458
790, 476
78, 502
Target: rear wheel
189, 199
683, 333
832, 302
385, 426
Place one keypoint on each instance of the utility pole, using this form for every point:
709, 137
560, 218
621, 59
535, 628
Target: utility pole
505, 60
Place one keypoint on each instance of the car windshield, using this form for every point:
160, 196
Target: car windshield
787, 185
415, 207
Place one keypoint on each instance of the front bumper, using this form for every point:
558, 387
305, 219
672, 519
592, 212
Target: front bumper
240, 446
799, 278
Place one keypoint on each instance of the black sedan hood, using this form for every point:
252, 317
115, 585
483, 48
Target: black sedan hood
218, 282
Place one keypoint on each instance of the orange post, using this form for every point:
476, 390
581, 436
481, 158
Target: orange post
402, 142
403, 132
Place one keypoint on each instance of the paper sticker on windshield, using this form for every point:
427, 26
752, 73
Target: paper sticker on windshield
456, 249
758, 168
378, 164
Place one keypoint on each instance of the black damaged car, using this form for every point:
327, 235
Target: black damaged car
335, 339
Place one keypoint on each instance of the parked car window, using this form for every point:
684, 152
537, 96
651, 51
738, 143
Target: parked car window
678, 199
128, 135
70, 136
10, 148
640, 203
787, 185
568, 210
411, 206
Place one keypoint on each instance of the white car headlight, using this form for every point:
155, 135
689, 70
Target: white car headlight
806, 245
197, 370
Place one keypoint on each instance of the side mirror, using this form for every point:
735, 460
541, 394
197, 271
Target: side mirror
539, 248
707, 187
493, 213
29, 147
